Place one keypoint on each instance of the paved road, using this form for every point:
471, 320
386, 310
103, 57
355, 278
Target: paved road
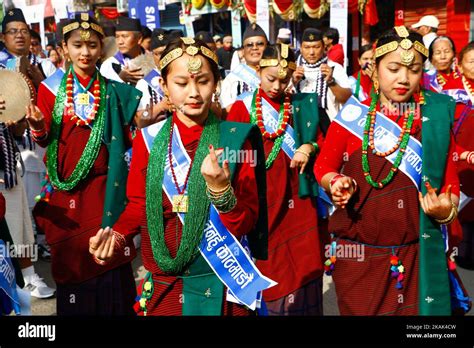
48, 306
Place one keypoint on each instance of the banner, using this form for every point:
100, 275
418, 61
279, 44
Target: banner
147, 12
236, 28
263, 16
338, 18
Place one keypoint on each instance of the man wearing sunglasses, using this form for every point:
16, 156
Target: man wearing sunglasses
244, 77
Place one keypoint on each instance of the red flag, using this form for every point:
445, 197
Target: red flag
370, 14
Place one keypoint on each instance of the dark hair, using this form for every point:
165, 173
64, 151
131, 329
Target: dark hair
91, 20
469, 47
391, 35
178, 43
274, 52
439, 38
55, 50
332, 33
146, 32
365, 48
35, 35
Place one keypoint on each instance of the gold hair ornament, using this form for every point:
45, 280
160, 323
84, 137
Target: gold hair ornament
283, 64
194, 64
85, 26
407, 56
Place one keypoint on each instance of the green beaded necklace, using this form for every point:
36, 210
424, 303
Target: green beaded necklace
198, 213
356, 93
91, 150
277, 144
365, 145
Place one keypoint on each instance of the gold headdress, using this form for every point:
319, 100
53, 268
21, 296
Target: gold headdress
282, 65
407, 56
85, 24
194, 64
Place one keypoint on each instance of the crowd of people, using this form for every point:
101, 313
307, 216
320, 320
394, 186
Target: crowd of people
242, 175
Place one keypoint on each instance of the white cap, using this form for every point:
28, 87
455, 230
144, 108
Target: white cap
284, 33
429, 21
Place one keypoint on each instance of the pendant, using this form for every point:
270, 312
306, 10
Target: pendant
83, 99
180, 203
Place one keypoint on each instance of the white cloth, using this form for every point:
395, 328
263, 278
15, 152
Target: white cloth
235, 60
108, 71
427, 40
308, 85
230, 90
48, 67
142, 86
17, 214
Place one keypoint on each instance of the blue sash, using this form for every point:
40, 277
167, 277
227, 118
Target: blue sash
6, 59
8, 295
430, 80
324, 203
120, 58
352, 117
54, 81
221, 250
152, 80
246, 74
271, 123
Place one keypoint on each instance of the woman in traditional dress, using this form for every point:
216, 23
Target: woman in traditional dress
391, 173
446, 77
290, 129
465, 141
361, 81
182, 204
83, 120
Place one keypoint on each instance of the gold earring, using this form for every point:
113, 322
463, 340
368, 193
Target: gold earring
376, 86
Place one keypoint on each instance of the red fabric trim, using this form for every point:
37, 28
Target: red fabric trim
110, 12
251, 6
283, 5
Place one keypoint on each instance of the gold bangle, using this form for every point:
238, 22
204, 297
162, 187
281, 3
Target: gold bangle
217, 192
452, 216
303, 152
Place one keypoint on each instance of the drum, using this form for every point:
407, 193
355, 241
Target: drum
17, 91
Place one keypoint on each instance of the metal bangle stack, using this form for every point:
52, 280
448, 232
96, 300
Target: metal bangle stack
224, 200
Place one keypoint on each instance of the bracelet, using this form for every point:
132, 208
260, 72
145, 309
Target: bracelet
303, 152
99, 261
38, 133
470, 157
40, 137
224, 202
331, 82
120, 242
452, 216
334, 179
337, 177
217, 192
315, 145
